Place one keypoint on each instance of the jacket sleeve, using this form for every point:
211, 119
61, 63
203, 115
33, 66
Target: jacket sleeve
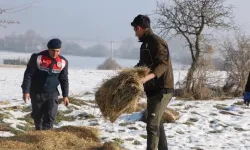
64, 81
161, 59
247, 87
29, 73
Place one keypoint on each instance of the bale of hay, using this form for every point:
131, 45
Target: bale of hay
170, 116
121, 93
84, 133
57, 139
15, 145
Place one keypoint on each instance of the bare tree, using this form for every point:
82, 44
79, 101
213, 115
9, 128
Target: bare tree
4, 23
190, 19
236, 53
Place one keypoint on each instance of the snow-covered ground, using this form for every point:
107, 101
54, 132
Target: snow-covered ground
81, 80
79, 62
202, 124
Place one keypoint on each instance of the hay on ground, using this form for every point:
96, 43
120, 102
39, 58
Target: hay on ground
121, 93
109, 146
84, 133
57, 139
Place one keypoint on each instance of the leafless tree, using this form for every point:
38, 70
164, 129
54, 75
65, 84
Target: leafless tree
4, 23
236, 53
190, 19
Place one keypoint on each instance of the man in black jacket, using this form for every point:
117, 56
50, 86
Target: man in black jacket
159, 84
44, 72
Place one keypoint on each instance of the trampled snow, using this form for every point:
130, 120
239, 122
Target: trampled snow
201, 125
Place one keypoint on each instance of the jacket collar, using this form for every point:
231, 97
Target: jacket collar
146, 35
46, 53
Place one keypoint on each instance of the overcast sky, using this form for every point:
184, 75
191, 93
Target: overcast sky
91, 19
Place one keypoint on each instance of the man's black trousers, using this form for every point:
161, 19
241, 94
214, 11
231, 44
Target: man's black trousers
44, 109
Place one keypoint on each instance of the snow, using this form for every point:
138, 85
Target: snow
11, 103
62, 107
14, 122
17, 114
88, 63
83, 83
87, 81
5, 134
201, 124
85, 62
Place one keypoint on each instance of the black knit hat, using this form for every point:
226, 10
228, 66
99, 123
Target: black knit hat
54, 44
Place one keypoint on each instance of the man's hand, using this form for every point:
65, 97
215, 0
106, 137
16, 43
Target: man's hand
247, 98
148, 77
26, 97
66, 101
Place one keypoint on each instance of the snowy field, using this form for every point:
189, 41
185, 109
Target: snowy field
81, 81
202, 124
80, 62
77, 62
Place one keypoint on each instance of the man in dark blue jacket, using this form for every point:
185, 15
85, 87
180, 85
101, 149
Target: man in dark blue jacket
44, 72
247, 92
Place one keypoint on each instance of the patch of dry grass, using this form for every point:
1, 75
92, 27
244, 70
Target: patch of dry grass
61, 117
121, 93
4, 127
239, 103
82, 132
220, 106
27, 118
109, 146
27, 109
4, 102
74, 101
70, 137
4, 116
15, 108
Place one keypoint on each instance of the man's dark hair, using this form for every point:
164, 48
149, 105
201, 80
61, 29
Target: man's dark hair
142, 21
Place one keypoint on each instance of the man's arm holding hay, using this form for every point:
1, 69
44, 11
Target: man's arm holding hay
148, 77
